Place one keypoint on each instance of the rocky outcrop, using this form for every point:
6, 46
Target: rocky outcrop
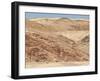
52, 49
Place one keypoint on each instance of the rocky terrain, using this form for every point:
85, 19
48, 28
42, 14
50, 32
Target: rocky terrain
56, 42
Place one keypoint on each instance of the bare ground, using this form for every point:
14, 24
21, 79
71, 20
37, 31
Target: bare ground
54, 49
61, 43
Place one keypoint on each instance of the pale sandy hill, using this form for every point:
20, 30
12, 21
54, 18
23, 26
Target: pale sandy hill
57, 24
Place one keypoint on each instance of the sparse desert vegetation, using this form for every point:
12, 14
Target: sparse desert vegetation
53, 42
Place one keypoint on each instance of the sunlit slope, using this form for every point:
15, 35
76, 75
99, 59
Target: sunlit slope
56, 24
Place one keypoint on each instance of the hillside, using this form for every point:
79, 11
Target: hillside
56, 42
57, 24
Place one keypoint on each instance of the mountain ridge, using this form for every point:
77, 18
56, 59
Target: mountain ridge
56, 24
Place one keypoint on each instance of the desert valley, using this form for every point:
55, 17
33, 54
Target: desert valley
52, 42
